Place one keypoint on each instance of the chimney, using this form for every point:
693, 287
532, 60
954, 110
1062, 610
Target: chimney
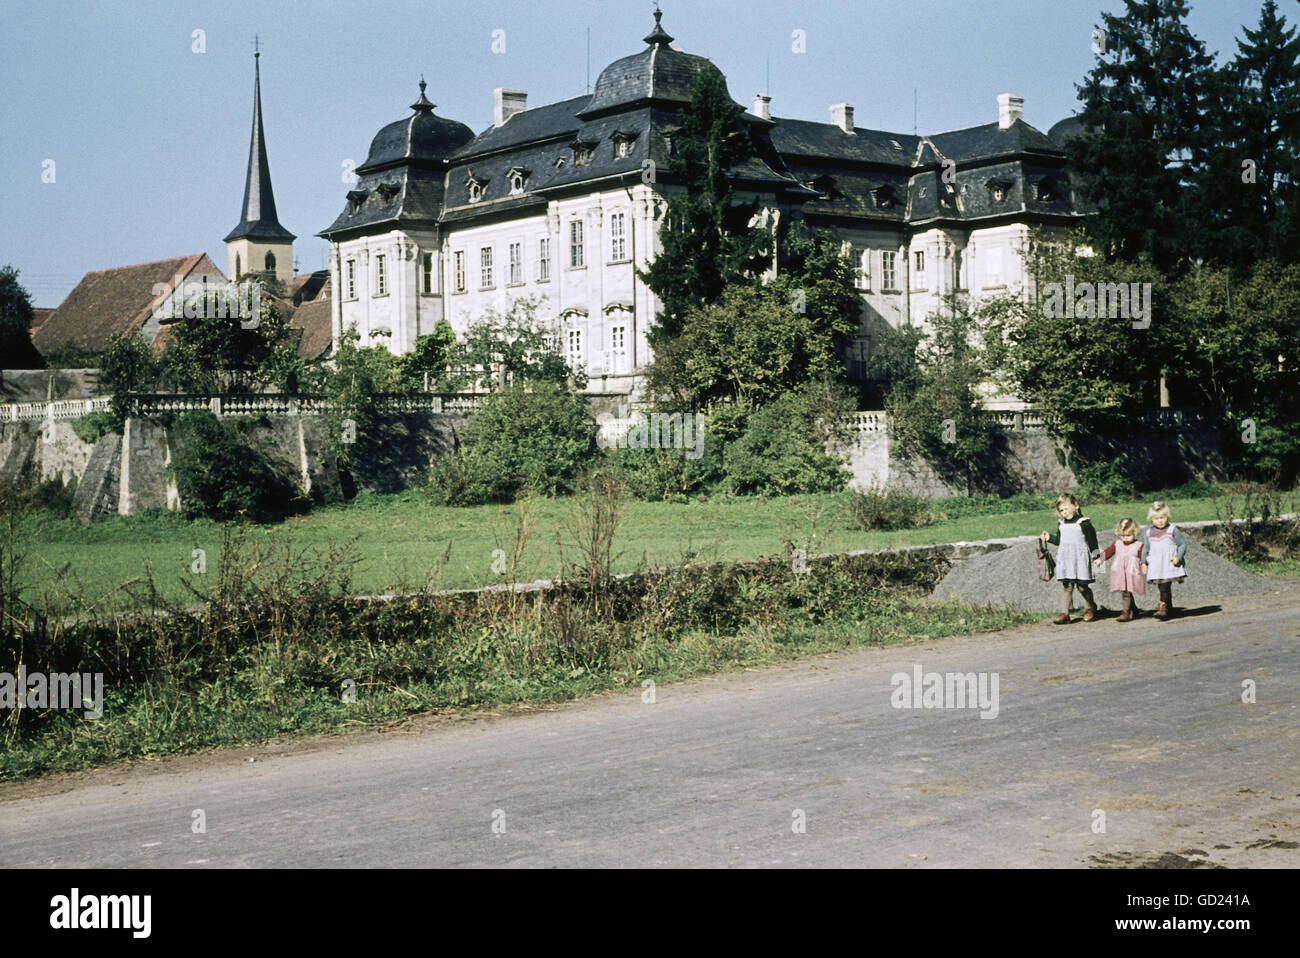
1010, 108
842, 116
506, 103
762, 106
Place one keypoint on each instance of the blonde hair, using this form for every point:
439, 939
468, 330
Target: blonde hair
1064, 498
1157, 509
1127, 527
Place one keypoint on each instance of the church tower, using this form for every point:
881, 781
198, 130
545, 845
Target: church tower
259, 244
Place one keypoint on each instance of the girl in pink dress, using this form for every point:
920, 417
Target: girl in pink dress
1126, 571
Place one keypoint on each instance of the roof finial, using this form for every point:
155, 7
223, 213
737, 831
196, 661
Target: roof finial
422, 105
257, 47
658, 35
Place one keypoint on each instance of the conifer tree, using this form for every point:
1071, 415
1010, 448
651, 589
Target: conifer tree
1146, 134
707, 242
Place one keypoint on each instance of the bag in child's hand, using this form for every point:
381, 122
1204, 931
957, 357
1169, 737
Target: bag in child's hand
1046, 564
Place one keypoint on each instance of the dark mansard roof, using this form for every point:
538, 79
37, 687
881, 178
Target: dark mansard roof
421, 170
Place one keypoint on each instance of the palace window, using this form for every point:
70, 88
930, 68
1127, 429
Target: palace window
888, 273
544, 260
485, 268
618, 349
459, 260
863, 276
351, 271
517, 177
920, 262
617, 241
575, 245
381, 275
516, 263
426, 266
574, 352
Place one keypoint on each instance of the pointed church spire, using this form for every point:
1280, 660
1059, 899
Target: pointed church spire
259, 220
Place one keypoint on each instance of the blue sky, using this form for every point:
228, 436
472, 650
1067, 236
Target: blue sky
150, 138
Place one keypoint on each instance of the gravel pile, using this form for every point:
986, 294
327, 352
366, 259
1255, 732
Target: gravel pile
1009, 579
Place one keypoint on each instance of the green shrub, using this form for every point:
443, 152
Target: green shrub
670, 475
539, 436
1193, 489
783, 449
30, 496
220, 476
889, 509
1104, 482
959, 507
91, 427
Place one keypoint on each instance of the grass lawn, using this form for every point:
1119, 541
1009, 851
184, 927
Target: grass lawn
400, 538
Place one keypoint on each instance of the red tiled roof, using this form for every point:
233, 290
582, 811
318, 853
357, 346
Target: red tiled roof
118, 300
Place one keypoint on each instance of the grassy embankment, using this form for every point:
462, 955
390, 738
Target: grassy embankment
401, 537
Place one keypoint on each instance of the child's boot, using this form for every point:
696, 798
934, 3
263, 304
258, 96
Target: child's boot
1127, 614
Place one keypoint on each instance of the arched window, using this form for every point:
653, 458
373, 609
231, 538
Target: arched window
239, 269
270, 261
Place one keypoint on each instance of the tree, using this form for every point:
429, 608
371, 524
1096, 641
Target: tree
783, 449
353, 386
1090, 374
1251, 210
127, 366
707, 243
431, 356
932, 395
511, 347
1146, 136
1238, 349
216, 350
758, 341
16, 349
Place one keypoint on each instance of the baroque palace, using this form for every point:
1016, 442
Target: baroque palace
552, 202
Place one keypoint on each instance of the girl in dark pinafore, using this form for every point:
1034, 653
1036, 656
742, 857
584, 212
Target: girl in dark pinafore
1076, 542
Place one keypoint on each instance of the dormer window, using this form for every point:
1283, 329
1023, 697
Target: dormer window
387, 191
1046, 189
582, 150
516, 177
559, 163
477, 186
356, 198
884, 197
998, 190
825, 185
622, 143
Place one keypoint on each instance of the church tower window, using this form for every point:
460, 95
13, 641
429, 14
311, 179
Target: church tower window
270, 262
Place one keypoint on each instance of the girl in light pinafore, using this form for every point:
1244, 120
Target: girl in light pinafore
1076, 542
1163, 552
1126, 571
